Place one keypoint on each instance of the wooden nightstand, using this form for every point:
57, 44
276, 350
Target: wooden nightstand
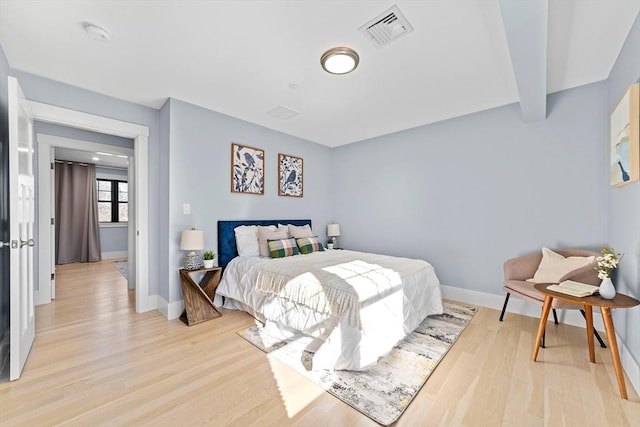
198, 297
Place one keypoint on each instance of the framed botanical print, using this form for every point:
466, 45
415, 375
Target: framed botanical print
290, 175
625, 139
247, 169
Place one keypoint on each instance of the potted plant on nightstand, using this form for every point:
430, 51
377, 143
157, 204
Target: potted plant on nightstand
208, 257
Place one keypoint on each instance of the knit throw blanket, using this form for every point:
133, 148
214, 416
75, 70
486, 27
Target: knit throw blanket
337, 282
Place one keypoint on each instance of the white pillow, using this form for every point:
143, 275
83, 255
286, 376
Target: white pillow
300, 231
269, 233
554, 266
247, 240
285, 227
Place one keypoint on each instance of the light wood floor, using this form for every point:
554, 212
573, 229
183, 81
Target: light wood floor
96, 362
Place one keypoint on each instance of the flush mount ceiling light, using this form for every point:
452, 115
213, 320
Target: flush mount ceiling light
339, 60
97, 33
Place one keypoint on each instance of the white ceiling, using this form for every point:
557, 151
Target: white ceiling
241, 57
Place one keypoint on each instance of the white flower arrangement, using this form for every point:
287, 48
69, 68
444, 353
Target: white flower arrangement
607, 262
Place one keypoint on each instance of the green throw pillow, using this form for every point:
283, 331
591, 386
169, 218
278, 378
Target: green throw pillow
308, 245
282, 248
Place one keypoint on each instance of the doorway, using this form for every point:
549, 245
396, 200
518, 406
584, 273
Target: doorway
112, 162
138, 174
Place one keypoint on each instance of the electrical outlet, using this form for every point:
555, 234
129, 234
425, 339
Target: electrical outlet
186, 209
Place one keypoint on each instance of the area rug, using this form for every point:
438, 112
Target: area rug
384, 391
122, 267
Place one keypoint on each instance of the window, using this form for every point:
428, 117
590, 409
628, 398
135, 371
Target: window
113, 198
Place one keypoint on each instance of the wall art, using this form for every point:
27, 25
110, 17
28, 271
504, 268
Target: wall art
625, 139
290, 175
247, 169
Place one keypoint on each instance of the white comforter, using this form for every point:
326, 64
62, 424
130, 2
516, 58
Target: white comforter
357, 305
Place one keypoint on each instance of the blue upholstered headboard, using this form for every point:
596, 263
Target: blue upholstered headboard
227, 249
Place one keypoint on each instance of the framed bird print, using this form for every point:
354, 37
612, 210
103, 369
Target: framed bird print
247, 169
290, 175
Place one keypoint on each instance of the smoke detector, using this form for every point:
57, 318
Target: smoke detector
386, 27
96, 32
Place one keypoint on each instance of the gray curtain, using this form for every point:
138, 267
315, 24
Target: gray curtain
77, 227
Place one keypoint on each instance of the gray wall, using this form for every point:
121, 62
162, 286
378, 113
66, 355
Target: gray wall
623, 225
113, 239
199, 173
60, 94
4, 196
468, 193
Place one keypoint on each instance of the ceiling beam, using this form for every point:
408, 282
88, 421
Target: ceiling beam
525, 25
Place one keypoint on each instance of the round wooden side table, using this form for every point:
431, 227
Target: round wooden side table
605, 305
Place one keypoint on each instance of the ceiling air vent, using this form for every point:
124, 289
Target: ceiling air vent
282, 112
387, 26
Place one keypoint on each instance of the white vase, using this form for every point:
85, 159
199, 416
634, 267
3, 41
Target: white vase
606, 290
208, 263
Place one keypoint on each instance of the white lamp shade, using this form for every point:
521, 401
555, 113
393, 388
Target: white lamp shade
192, 240
333, 230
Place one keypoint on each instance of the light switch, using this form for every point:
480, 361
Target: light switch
186, 209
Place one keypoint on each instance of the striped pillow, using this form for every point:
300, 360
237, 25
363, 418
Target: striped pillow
283, 248
309, 244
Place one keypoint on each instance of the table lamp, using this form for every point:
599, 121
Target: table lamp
192, 240
333, 231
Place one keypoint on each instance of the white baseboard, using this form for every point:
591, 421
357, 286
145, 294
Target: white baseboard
629, 364
152, 302
170, 310
40, 297
114, 255
569, 317
517, 306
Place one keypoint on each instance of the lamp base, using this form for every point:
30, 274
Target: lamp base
193, 261
334, 241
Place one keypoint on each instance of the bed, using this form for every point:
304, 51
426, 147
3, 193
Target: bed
355, 305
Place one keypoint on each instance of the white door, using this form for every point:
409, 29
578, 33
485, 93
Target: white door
44, 289
52, 227
131, 228
21, 222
